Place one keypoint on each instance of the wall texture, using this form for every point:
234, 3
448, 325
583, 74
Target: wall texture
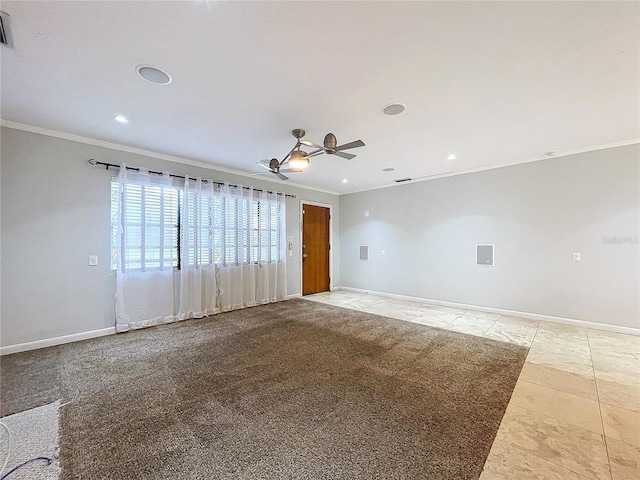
536, 214
55, 212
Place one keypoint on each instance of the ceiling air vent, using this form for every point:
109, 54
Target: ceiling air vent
400, 180
5, 32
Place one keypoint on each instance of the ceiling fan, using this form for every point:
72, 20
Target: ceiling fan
274, 165
297, 159
330, 146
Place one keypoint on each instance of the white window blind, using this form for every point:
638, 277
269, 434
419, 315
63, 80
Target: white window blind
221, 229
150, 226
245, 231
196, 226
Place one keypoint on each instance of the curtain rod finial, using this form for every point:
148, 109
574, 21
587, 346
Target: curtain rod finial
92, 161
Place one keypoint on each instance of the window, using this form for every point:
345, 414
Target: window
150, 226
196, 224
220, 229
245, 231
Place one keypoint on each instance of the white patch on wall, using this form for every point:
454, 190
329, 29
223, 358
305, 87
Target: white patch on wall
34, 434
484, 255
364, 252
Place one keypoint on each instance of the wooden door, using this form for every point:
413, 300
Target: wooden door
315, 249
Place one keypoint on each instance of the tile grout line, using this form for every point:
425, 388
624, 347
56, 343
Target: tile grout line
530, 345
556, 420
530, 453
546, 460
510, 403
561, 391
604, 432
563, 355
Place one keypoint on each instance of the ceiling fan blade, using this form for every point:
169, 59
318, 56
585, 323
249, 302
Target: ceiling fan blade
311, 144
281, 176
264, 166
348, 156
319, 151
291, 170
346, 146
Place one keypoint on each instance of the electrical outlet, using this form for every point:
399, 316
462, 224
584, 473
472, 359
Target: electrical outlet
382, 252
93, 260
576, 257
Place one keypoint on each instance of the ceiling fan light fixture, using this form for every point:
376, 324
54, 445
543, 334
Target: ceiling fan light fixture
299, 160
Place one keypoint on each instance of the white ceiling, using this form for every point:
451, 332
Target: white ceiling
493, 83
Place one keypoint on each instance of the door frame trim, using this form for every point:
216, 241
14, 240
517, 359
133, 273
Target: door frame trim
331, 242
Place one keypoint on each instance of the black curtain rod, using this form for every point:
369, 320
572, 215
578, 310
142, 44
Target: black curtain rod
93, 161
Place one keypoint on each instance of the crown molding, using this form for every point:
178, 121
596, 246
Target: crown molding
146, 153
209, 166
501, 165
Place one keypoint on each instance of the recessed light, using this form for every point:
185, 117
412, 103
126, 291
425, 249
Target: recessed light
344, 180
552, 153
394, 108
451, 157
153, 74
120, 118
388, 169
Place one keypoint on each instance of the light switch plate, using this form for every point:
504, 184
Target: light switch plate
93, 260
576, 257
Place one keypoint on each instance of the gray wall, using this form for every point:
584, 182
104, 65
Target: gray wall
55, 212
536, 214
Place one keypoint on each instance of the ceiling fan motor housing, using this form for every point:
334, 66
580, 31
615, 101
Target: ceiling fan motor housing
330, 142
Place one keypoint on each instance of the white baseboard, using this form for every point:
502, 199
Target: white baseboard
49, 342
299, 295
534, 316
75, 337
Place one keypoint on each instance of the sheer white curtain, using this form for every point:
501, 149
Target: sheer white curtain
198, 290
251, 271
194, 250
146, 221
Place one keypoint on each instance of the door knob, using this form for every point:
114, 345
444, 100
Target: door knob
304, 255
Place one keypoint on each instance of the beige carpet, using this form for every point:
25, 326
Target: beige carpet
296, 390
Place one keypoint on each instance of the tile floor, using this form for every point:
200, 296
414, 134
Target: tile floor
575, 411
